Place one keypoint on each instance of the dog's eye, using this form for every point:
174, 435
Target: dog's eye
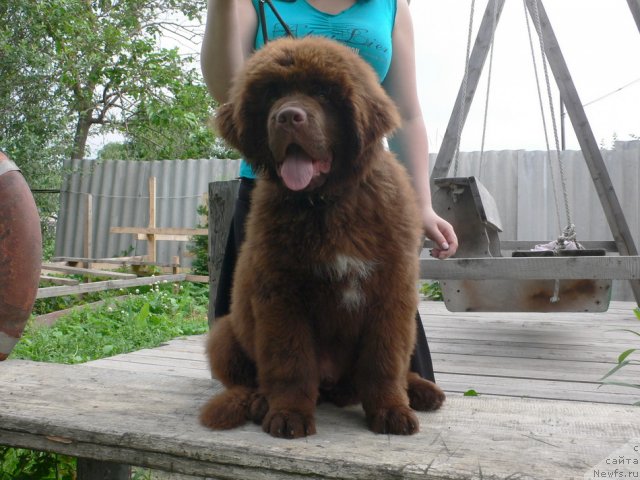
272, 92
322, 92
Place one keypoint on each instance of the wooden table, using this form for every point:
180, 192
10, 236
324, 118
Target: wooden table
141, 409
150, 420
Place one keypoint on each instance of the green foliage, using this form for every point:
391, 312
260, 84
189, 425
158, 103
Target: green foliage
144, 319
623, 361
171, 128
141, 320
73, 68
470, 393
199, 246
432, 290
17, 463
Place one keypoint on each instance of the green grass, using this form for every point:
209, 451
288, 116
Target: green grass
145, 318
141, 320
432, 290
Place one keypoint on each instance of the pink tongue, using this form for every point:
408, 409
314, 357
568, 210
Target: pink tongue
297, 171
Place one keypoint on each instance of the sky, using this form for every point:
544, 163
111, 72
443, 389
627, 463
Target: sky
599, 41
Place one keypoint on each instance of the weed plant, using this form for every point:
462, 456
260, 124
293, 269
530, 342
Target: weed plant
624, 359
432, 290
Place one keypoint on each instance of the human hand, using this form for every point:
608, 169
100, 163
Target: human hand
441, 233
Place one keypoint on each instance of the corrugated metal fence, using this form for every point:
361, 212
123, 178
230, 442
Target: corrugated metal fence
520, 182
120, 191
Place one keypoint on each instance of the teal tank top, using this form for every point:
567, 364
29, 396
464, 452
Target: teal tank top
366, 27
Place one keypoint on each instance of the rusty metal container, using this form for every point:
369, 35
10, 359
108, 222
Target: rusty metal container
20, 254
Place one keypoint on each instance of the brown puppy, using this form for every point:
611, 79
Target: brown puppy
324, 297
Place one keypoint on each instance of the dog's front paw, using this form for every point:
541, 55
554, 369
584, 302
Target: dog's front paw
424, 395
258, 407
289, 424
395, 420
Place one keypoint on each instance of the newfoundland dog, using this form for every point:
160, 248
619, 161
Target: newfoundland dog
325, 291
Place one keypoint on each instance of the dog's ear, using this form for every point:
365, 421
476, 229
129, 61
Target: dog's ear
225, 126
375, 115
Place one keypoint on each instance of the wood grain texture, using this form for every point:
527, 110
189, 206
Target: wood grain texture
47, 292
151, 420
609, 267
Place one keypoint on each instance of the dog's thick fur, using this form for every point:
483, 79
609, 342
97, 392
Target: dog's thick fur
324, 298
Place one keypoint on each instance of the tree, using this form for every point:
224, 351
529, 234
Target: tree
69, 68
171, 128
86, 64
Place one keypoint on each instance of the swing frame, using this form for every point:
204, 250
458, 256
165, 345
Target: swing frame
491, 269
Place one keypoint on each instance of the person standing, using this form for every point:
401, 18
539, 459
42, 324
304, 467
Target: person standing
381, 31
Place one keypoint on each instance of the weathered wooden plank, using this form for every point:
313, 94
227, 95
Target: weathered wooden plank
462, 344
538, 389
222, 197
504, 351
610, 267
129, 365
151, 420
525, 369
524, 245
85, 271
48, 292
634, 5
173, 238
197, 278
160, 230
467, 89
59, 280
136, 260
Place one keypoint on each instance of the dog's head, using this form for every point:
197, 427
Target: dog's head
305, 110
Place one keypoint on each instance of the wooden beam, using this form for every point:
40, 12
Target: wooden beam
197, 278
160, 231
137, 260
592, 155
151, 239
634, 6
59, 280
222, 198
466, 93
173, 238
88, 232
607, 245
87, 272
611, 267
49, 292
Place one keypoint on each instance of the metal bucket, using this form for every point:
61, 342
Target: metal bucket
20, 254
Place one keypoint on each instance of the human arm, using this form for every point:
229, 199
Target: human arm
409, 142
228, 40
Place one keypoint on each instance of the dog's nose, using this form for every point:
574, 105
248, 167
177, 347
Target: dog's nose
291, 115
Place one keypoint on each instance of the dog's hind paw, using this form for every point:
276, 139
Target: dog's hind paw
226, 410
289, 424
396, 421
424, 395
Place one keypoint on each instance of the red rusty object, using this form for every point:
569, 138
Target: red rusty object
20, 254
